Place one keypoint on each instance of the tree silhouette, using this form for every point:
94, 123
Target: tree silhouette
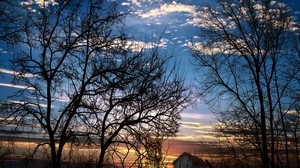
81, 79
245, 61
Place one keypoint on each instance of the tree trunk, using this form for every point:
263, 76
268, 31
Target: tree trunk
102, 155
54, 162
271, 111
264, 154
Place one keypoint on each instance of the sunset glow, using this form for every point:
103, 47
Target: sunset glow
137, 83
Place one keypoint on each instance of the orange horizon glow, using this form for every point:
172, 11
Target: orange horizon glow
172, 147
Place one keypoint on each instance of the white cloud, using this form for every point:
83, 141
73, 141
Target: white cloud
167, 9
201, 18
214, 48
140, 2
29, 103
136, 2
196, 16
196, 125
41, 3
10, 72
163, 43
137, 46
16, 86
3, 51
125, 4
196, 116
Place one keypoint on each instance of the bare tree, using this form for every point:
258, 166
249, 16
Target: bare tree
247, 76
81, 79
150, 149
141, 99
59, 50
8, 18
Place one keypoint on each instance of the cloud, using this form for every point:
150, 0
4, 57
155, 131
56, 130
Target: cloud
186, 138
201, 18
196, 138
136, 2
19, 74
196, 125
125, 4
197, 116
139, 3
41, 3
29, 103
16, 86
195, 131
167, 9
137, 46
163, 43
3, 51
215, 47
196, 15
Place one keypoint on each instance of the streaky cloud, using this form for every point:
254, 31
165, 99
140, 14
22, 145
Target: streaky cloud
20, 74
16, 86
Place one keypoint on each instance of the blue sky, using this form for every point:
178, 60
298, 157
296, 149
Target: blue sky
176, 20
170, 24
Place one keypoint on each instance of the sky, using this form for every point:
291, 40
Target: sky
171, 24
175, 23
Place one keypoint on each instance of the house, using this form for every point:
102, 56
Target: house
187, 160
